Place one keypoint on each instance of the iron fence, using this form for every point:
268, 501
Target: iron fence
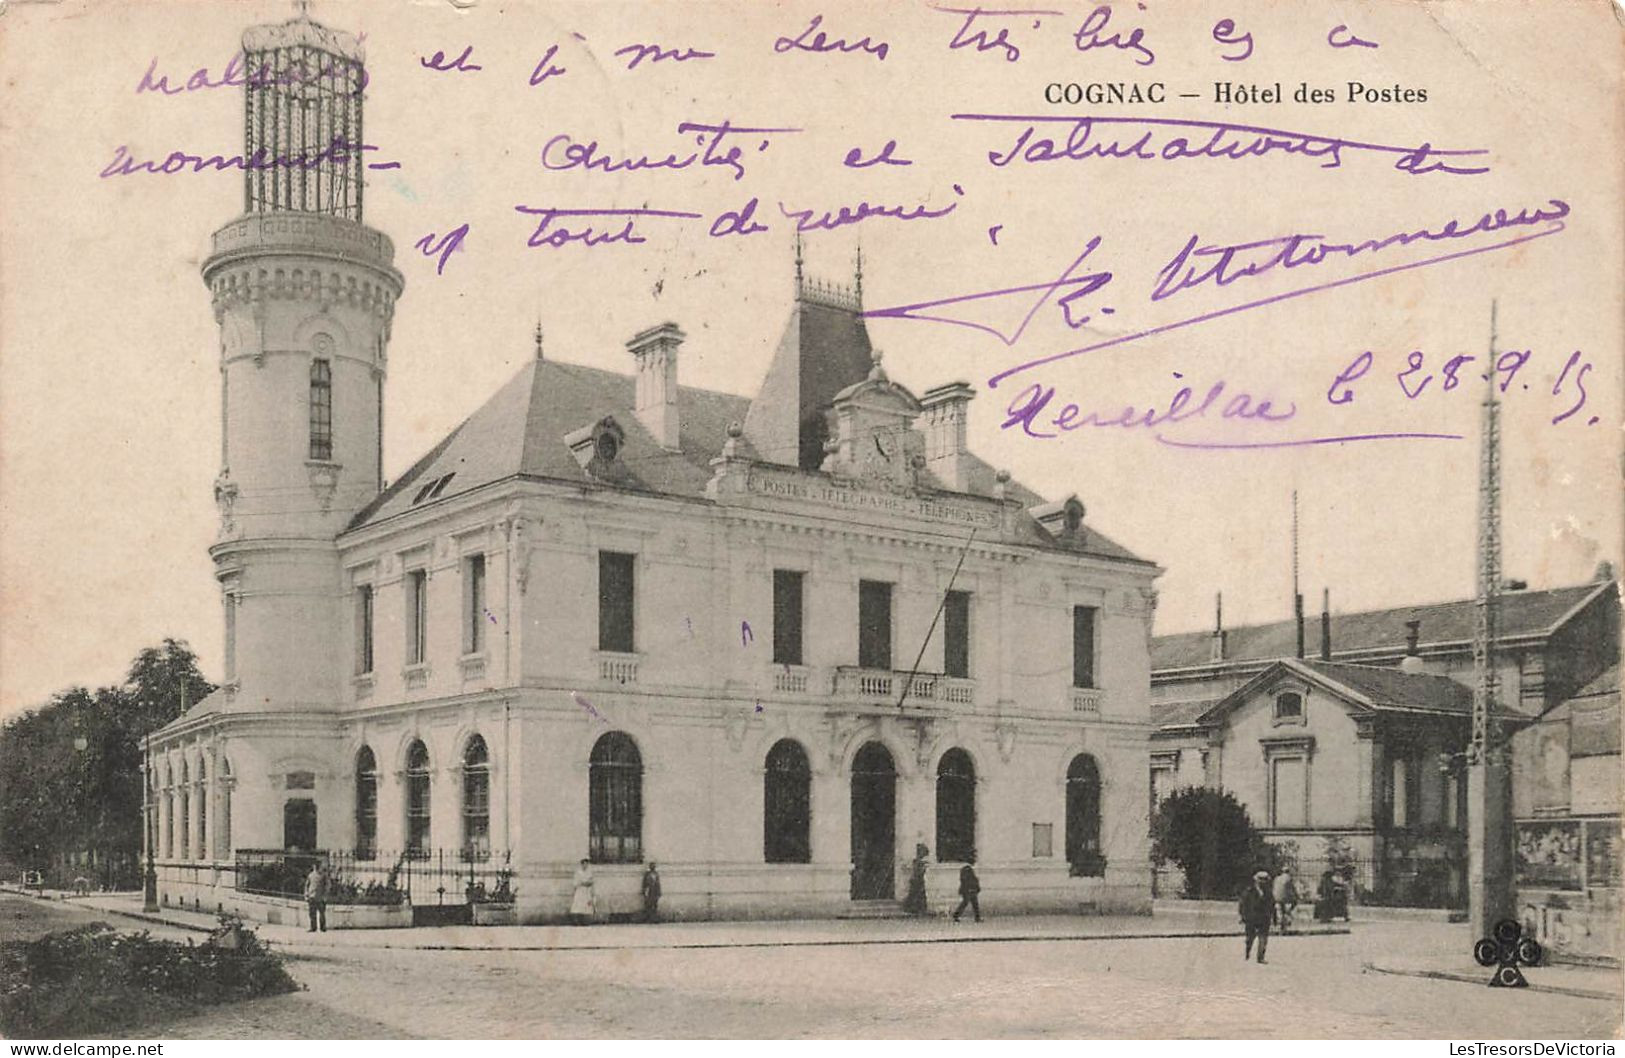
424, 878
1394, 881
1406, 880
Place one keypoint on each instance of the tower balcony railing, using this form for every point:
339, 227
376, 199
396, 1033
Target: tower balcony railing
288, 229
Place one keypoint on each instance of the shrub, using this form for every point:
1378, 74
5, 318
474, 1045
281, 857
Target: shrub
92, 979
1209, 836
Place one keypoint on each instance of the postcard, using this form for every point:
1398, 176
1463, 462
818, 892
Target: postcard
813, 519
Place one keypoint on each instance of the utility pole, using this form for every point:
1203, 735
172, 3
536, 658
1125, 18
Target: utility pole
1489, 844
1297, 596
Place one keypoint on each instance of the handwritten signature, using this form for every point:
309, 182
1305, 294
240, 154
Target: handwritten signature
1222, 265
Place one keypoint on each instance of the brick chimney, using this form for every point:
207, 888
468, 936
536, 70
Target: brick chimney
654, 352
1412, 661
944, 428
1325, 624
1218, 628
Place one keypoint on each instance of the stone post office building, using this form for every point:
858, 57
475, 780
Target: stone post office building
612, 617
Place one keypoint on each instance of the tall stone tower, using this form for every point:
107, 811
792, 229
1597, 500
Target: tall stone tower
303, 292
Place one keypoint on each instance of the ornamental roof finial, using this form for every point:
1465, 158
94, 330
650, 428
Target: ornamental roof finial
857, 288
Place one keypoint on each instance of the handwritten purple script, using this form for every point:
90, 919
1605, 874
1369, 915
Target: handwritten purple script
1169, 139
816, 40
1222, 265
236, 75
336, 153
564, 152
1037, 413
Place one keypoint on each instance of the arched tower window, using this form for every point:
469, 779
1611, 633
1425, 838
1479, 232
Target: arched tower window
615, 800
1083, 816
366, 804
476, 800
787, 805
417, 800
321, 409
956, 808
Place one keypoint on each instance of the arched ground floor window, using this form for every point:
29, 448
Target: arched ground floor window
1083, 817
787, 804
956, 808
615, 800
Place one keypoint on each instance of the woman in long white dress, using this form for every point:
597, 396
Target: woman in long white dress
581, 910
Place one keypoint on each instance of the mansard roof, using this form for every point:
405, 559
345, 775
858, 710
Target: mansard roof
520, 433
1446, 624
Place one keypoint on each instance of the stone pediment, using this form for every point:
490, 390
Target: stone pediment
872, 436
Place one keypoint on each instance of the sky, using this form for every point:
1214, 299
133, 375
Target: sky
109, 382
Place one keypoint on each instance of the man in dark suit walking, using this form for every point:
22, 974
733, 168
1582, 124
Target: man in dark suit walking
969, 887
1257, 908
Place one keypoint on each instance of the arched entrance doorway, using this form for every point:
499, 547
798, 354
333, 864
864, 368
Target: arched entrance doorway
874, 823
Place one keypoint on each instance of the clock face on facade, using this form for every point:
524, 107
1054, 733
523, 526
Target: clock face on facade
883, 457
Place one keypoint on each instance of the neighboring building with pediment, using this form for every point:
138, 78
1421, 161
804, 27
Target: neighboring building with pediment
1392, 688
771, 643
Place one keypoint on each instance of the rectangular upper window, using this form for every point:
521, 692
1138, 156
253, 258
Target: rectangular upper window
363, 629
417, 615
231, 636
474, 619
615, 602
1289, 791
1083, 646
787, 615
874, 624
956, 634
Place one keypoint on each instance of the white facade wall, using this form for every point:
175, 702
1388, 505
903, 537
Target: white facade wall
703, 706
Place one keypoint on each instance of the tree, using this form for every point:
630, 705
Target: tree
70, 771
1208, 834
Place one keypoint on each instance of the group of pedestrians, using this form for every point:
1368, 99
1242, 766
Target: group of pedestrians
970, 888
584, 908
1266, 903
583, 903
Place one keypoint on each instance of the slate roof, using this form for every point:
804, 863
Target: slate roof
1394, 689
1369, 686
1522, 613
520, 430
1606, 683
1180, 714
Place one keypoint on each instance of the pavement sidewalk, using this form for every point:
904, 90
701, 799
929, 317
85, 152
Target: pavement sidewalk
1166, 923
1586, 982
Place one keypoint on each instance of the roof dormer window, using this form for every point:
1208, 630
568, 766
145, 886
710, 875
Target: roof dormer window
598, 447
432, 489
